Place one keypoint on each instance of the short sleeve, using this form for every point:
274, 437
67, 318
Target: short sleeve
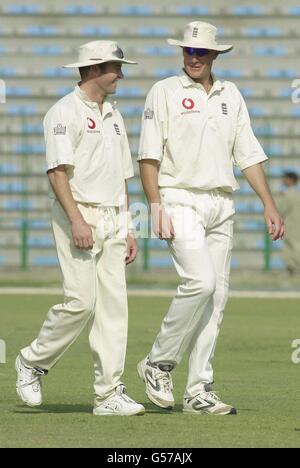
60, 138
247, 151
154, 125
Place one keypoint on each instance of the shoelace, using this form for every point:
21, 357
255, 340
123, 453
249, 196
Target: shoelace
164, 379
31, 377
211, 395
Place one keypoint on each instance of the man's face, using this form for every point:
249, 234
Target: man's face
108, 79
288, 182
199, 68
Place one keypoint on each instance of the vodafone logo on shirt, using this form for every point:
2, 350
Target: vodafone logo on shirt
188, 104
92, 126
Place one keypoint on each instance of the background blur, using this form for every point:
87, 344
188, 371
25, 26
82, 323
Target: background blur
37, 38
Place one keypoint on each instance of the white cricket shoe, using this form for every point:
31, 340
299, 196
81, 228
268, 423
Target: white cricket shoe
29, 383
207, 402
158, 382
119, 404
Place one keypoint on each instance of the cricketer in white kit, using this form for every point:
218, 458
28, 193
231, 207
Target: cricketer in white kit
88, 164
194, 129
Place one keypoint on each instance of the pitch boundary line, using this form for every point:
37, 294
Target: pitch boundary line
154, 293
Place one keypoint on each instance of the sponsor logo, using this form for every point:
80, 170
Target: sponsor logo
60, 130
188, 104
91, 124
2, 352
201, 404
148, 114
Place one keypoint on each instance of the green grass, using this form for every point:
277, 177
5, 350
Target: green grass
253, 371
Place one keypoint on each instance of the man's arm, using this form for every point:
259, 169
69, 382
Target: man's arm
162, 224
132, 247
81, 231
255, 175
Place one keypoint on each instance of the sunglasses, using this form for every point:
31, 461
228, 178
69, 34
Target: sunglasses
199, 52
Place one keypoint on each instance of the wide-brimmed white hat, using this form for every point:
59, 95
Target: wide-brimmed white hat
202, 36
97, 52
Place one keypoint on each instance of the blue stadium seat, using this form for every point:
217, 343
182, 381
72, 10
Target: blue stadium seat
96, 31
28, 109
256, 31
135, 129
193, 10
294, 10
234, 263
8, 71
22, 9
8, 169
295, 112
284, 73
56, 72
256, 111
153, 31
230, 73
274, 149
18, 205
157, 244
286, 92
39, 224
247, 92
47, 50
41, 260
80, 10
278, 51
29, 128
18, 91
3, 50
134, 188
264, 130
160, 262
3, 260
253, 225
64, 90
29, 148
12, 187
165, 72
132, 111
160, 51
253, 10
36, 30
135, 10
132, 92
44, 241
277, 263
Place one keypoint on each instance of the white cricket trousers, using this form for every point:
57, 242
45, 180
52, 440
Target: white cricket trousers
201, 251
95, 294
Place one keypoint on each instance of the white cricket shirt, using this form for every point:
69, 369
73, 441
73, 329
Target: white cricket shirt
92, 145
197, 137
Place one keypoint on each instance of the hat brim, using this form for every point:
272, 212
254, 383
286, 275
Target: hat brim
88, 63
219, 48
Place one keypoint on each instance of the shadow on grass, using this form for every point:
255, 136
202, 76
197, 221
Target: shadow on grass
69, 409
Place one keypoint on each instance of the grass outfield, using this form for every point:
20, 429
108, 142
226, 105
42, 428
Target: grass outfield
253, 371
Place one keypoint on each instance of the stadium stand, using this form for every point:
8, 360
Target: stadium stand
37, 38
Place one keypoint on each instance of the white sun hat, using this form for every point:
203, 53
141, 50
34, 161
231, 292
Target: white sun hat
97, 52
202, 36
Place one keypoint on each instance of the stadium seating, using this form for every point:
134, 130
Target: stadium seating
37, 38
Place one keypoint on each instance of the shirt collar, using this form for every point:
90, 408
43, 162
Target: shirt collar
107, 106
187, 82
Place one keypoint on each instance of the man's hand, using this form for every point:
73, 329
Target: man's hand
162, 223
274, 223
82, 235
132, 249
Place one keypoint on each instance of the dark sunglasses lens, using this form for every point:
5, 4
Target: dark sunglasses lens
199, 52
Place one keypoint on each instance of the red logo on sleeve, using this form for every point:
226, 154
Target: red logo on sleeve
188, 104
91, 124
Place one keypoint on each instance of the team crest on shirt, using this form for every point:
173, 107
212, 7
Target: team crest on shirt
117, 129
224, 109
60, 130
